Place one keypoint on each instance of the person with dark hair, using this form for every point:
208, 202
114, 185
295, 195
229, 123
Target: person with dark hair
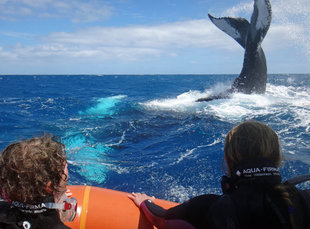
33, 185
253, 195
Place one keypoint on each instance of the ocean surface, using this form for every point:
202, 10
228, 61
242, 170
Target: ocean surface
146, 133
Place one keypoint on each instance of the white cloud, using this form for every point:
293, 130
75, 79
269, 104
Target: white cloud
60, 52
240, 10
130, 43
7, 55
197, 33
76, 10
134, 42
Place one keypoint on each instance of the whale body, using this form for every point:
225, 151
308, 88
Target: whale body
249, 35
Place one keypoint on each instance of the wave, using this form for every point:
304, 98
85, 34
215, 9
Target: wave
87, 155
285, 108
172, 147
239, 106
182, 103
103, 107
87, 151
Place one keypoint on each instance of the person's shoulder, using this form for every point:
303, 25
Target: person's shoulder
4, 205
203, 200
50, 220
60, 226
206, 197
7, 214
8, 218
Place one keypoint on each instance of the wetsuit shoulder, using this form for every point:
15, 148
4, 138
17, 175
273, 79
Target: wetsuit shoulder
13, 218
51, 218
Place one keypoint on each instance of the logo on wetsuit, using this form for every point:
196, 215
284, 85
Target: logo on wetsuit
258, 171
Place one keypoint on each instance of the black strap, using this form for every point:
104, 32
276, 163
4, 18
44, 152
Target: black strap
277, 212
305, 195
298, 179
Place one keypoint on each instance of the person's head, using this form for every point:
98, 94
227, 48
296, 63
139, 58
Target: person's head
33, 169
252, 141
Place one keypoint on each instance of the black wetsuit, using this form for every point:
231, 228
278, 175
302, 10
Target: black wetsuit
252, 203
12, 218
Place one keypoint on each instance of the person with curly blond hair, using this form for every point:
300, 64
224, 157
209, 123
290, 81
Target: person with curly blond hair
33, 177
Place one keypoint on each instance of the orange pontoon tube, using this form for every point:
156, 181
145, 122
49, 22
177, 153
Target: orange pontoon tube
108, 209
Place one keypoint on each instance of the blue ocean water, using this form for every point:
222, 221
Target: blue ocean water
146, 133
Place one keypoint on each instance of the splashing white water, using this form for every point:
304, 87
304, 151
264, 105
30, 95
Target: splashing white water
185, 102
286, 108
241, 106
295, 15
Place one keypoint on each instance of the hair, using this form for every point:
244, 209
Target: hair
31, 170
252, 140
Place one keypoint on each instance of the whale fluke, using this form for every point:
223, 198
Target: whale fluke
249, 35
237, 28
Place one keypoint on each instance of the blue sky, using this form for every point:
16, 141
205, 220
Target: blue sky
143, 37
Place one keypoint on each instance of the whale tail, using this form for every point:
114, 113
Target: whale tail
260, 22
241, 30
249, 35
237, 28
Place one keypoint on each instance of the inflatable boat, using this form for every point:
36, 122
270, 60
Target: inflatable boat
108, 209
